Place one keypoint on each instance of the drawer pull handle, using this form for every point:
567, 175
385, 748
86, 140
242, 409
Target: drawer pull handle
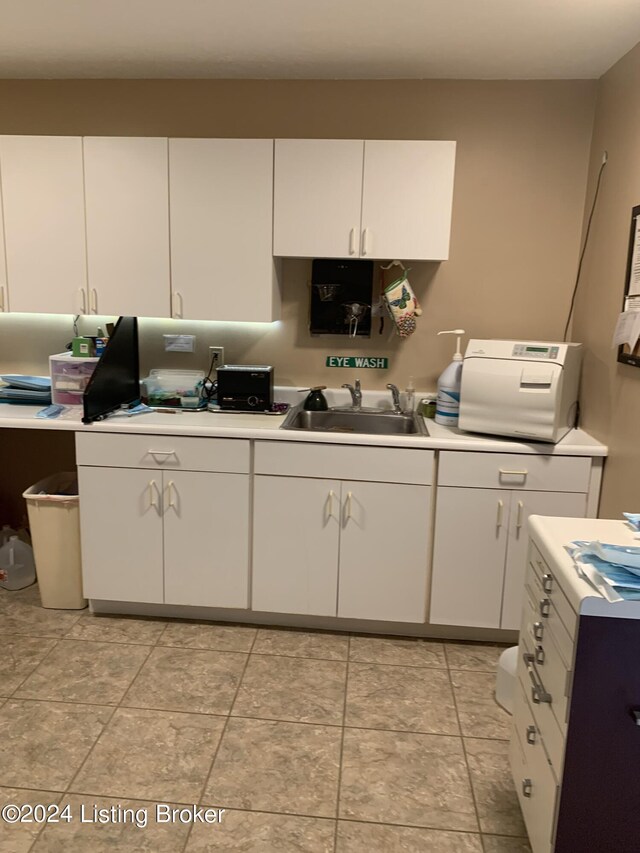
540, 655
545, 607
547, 582
538, 630
165, 453
499, 514
504, 472
531, 734
526, 787
538, 693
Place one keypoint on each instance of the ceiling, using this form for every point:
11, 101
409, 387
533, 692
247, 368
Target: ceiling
315, 39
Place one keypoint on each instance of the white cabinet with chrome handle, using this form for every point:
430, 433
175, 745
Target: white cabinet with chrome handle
350, 198
164, 534
483, 503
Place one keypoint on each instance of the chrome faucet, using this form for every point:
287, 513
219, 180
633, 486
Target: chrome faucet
356, 394
395, 393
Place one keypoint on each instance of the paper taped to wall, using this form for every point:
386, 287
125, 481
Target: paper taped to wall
627, 329
634, 272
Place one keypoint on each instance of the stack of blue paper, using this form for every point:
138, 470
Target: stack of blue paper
25, 390
625, 582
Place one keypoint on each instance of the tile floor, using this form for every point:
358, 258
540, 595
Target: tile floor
311, 742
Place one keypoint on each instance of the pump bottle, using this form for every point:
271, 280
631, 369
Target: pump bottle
448, 402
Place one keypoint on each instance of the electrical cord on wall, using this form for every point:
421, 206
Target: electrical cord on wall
605, 158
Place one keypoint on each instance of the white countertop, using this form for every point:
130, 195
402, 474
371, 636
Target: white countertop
232, 425
551, 535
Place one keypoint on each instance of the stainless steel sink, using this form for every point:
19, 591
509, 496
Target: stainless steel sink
369, 423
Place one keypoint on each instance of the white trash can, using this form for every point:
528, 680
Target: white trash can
506, 678
54, 519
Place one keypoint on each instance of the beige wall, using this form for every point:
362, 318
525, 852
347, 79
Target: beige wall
611, 391
521, 168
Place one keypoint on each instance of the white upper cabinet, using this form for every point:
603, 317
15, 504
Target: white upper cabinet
127, 211
43, 205
221, 194
407, 198
363, 199
317, 198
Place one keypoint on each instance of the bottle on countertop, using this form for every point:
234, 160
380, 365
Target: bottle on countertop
449, 381
410, 396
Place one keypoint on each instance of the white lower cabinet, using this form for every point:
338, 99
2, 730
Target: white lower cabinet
172, 537
347, 548
295, 545
479, 557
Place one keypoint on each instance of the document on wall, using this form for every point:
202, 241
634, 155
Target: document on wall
634, 272
627, 329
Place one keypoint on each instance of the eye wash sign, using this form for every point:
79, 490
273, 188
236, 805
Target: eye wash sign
359, 361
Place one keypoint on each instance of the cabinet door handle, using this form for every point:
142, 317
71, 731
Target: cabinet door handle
347, 507
330, 498
538, 693
531, 734
170, 488
352, 241
154, 492
94, 301
1, 298
365, 241
538, 630
540, 655
545, 607
547, 582
83, 309
176, 313
499, 514
519, 515
526, 787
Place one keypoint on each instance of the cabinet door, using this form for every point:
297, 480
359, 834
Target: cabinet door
384, 551
407, 198
206, 539
317, 198
470, 546
4, 292
127, 208
295, 545
121, 534
524, 504
222, 229
43, 202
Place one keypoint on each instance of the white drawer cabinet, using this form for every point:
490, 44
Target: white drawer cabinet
172, 530
574, 746
355, 548
523, 471
349, 198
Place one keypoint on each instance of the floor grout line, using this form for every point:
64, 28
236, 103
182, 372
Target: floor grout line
222, 733
466, 759
36, 667
106, 725
340, 758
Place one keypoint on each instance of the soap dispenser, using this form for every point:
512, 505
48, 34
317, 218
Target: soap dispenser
449, 381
